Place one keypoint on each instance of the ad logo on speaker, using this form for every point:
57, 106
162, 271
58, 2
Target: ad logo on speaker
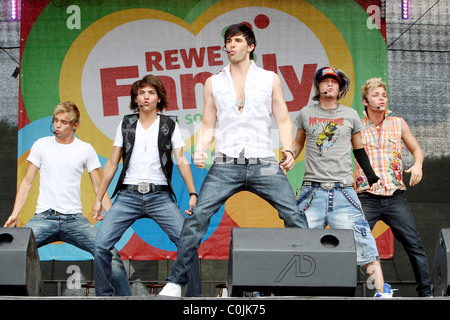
304, 266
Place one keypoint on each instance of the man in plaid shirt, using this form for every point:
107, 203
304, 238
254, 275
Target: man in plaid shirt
383, 137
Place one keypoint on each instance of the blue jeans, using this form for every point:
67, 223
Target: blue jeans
394, 211
340, 209
76, 230
264, 178
127, 208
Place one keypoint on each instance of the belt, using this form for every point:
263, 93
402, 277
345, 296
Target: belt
327, 185
144, 187
55, 213
221, 158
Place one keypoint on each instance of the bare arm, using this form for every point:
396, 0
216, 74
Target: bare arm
108, 174
299, 142
206, 132
413, 146
186, 174
96, 178
357, 141
284, 124
22, 194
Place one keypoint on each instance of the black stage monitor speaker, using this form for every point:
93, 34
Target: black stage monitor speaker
440, 274
20, 271
291, 262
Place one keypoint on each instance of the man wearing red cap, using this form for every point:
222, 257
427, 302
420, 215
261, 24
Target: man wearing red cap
330, 130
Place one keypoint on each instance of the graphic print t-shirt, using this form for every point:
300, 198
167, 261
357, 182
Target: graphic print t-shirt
328, 147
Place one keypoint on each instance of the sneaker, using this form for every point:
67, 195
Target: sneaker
171, 290
388, 292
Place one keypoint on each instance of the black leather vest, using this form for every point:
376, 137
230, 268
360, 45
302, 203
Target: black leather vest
166, 128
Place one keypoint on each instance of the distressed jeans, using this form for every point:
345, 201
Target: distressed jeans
340, 209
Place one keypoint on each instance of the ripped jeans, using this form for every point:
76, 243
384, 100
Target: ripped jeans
340, 209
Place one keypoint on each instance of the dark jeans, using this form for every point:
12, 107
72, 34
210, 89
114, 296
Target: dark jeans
394, 211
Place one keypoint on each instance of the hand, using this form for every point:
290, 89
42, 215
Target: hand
199, 159
288, 162
11, 222
416, 175
376, 186
192, 203
97, 211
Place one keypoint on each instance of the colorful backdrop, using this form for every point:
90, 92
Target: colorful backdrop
91, 53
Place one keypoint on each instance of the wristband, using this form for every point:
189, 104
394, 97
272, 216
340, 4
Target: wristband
193, 194
364, 163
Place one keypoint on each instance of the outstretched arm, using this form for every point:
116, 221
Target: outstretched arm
186, 174
96, 178
22, 194
417, 153
108, 174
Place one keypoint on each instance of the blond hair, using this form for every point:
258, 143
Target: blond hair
371, 84
70, 108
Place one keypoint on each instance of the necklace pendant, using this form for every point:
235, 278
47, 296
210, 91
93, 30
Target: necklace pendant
240, 104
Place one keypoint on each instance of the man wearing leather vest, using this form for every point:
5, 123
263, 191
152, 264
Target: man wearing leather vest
145, 141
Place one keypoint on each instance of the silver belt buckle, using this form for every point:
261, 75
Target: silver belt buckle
327, 185
143, 187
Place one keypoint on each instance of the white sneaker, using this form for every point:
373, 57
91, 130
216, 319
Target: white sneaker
171, 290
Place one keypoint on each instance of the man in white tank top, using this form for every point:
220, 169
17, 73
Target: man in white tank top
239, 100
61, 160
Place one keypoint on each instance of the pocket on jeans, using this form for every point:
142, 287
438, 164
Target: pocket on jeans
361, 228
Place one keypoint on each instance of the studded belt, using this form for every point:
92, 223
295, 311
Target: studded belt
327, 185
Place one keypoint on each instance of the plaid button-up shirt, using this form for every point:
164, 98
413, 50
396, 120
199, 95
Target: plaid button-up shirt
384, 146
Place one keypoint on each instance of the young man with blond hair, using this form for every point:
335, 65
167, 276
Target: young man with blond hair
383, 137
61, 160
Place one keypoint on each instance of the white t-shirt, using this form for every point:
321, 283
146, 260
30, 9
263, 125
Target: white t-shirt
145, 165
60, 169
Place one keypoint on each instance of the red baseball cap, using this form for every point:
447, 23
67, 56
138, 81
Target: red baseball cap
329, 73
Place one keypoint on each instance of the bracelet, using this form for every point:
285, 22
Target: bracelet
290, 152
193, 194
196, 151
